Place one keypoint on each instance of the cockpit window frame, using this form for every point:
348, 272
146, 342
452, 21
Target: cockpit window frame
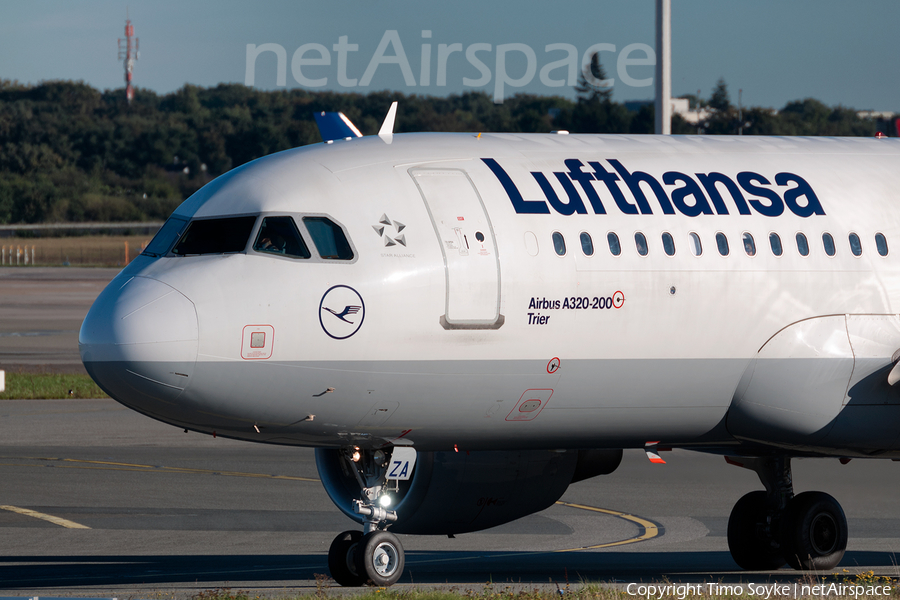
302, 251
307, 238
167, 236
305, 235
307, 218
191, 220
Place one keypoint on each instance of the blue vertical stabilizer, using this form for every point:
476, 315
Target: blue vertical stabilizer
335, 126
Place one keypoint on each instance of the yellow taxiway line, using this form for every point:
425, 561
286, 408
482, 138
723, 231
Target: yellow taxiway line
648, 529
44, 517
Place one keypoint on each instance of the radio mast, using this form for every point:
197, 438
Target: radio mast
128, 50
664, 67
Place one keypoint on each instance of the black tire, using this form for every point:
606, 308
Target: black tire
380, 558
342, 559
749, 547
814, 532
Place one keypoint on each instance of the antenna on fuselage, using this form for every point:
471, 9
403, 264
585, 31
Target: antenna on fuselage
387, 128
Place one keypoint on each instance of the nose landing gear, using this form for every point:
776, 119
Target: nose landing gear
374, 555
767, 529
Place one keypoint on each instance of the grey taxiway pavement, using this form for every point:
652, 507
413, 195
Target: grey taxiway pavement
41, 310
98, 500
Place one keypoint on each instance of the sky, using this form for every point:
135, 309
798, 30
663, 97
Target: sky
775, 51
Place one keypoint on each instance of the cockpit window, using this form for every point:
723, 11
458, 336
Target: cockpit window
329, 238
215, 236
165, 237
279, 235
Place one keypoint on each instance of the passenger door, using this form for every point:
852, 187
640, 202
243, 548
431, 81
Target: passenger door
471, 262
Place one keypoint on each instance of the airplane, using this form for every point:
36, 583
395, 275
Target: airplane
462, 325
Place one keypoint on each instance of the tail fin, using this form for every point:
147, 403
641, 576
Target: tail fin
335, 126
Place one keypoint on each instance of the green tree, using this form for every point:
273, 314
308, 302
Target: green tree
70, 152
723, 118
595, 112
593, 83
719, 100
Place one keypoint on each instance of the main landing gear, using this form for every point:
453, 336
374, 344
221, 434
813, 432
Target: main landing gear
373, 555
768, 529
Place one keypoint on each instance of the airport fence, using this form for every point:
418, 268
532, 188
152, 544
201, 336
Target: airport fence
82, 251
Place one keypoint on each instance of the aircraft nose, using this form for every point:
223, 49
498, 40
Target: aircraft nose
139, 343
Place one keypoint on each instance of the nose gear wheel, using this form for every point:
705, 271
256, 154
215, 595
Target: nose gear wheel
374, 555
381, 558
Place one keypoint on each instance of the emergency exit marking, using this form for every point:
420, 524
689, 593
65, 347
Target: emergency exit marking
553, 366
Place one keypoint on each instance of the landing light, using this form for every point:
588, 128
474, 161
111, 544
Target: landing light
384, 501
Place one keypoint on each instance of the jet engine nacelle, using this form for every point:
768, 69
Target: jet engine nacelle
824, 383
459, 492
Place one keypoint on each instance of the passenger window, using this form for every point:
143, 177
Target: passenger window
613, 240
640, 242
559, 243
587, 244
802, 244
775, 244
165, 237
279, 235
696, 247
329, 238
855, 245
215, 236
828, 243
722, 243
749, 244
880, 244
668, 243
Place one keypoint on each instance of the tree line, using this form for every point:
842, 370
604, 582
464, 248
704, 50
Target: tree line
69, 152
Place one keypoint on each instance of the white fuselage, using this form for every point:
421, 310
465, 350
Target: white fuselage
463, 325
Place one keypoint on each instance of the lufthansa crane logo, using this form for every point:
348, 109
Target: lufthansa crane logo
341, 312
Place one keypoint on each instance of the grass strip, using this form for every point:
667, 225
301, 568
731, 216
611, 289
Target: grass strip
837, 586
49, 386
